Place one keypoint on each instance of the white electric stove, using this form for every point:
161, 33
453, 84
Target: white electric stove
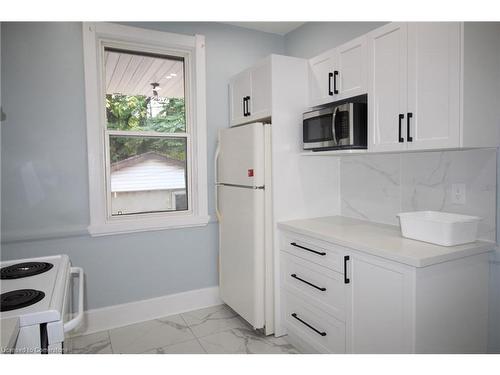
38, 292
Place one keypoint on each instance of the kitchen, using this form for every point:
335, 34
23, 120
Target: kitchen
53, 188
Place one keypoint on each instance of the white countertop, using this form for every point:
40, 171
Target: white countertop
381, 240
10, 330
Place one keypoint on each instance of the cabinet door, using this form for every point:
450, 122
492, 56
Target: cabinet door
239, 87
259, 104
352, 66
387, 87
433, 85
381, 306
321, 80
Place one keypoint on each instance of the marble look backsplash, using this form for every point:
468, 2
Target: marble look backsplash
379, 186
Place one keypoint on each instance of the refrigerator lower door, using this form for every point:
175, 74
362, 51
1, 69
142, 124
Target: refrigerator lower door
241, 252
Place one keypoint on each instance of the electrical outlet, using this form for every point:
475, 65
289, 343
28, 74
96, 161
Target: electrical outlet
458, 193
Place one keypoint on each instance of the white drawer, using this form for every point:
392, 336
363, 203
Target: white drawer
321, 286
316, 251
319, 330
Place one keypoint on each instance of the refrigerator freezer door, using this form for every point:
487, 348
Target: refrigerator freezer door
241, 252
241, 155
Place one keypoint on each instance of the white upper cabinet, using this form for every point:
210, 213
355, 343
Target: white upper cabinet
352, 67
430, 85
322, 79
338, 73
387, 96
415, 86
250, 94
239, 90
433, 114
260, 98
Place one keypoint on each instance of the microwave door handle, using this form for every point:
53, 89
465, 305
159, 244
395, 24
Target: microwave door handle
351, 123
333, 127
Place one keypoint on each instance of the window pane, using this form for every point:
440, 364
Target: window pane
144, 92
148, 174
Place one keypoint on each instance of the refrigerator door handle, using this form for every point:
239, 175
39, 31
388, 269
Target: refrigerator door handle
261, 187
216, 160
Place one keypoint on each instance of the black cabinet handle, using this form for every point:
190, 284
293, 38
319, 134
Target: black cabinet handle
409, 138
244, 106
346, 279
308, 325
401, 117
307, 282
248, 106
305, 248
335, 74
330, 75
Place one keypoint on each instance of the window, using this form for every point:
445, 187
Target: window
146, 131
146, 127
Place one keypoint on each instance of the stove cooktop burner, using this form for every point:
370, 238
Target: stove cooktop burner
19, 270
20, 298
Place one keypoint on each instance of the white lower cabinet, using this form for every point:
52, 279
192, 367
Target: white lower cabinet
367, 304
380, 304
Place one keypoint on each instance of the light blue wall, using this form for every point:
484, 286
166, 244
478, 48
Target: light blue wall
312, 38
44, 162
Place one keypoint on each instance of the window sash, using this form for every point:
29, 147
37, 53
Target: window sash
167, 52
189, 178
147, 134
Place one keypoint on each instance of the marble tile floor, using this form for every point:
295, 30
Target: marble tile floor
213, 330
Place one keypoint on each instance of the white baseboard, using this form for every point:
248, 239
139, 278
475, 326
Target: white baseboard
135, 312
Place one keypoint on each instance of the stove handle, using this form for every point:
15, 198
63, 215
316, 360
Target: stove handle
77, 320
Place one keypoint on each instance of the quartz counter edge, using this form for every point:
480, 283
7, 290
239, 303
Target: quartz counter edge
381, 240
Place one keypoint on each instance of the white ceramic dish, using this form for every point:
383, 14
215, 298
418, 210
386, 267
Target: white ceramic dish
440, 228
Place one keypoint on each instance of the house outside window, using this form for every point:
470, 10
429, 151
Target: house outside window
146, 127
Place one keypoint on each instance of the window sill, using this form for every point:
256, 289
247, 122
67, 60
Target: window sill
146, 225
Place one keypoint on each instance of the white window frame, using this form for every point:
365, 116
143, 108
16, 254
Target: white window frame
95, 37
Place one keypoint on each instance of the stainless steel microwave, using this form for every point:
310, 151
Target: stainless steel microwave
337, 126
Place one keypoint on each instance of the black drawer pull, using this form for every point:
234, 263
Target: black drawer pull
409, 115
308, 325
330, 76
305, 248
346, 279
248, 106
335, 74
307, 282
401, 117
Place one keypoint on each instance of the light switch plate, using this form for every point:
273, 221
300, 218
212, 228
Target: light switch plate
458, 192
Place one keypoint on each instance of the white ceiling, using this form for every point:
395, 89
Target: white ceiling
280, 28
133, 74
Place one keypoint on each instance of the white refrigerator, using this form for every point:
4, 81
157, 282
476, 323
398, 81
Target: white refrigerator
244, 212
